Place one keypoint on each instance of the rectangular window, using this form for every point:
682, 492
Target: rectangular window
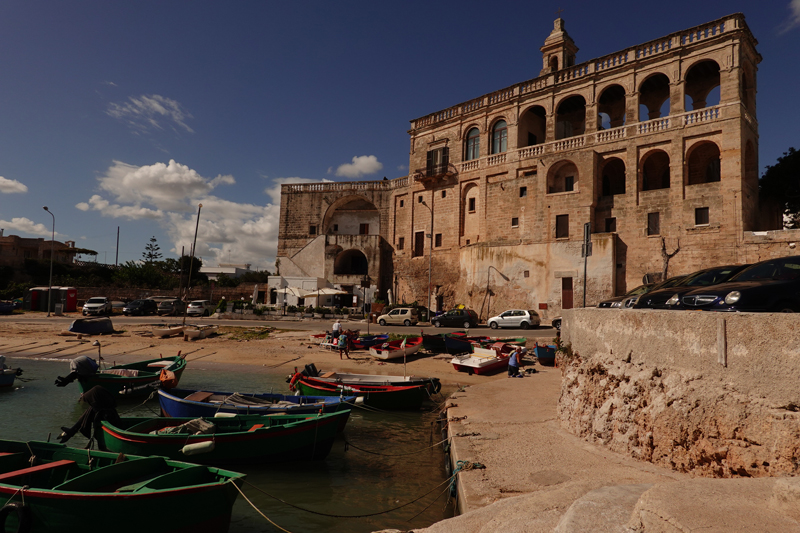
526, 274
701, 216
437, 240
402, 202
471, 205
401, 243
523, 192
444, 194
336, 227
312, 230
419, 199
611, 224
562, 226
569, 183
419, 243
653, 224
363, 229
437, 162
514, 222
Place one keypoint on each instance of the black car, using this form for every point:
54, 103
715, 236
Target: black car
616, 301
669, 297
631, 301
457, 318
140, 307
772, 286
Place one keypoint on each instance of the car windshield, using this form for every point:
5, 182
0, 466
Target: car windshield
778, 270
96, 301
136, 303
671, 282
709, 277
641, 289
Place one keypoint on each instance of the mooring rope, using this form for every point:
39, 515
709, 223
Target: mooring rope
258, 510
348, 444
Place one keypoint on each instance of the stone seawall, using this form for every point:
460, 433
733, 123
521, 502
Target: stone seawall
713, 394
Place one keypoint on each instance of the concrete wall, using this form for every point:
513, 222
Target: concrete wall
712, 393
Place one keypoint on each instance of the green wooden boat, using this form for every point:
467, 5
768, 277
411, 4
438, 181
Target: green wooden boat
378, 396
50, 487
226, 440
134, 379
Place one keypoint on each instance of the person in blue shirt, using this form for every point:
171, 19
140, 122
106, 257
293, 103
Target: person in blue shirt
515, 362
343, 345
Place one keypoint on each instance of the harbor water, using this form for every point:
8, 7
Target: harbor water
383, 472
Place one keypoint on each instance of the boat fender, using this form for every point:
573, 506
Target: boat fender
198, 448
23, 513
359, 400
224, 415
292, 382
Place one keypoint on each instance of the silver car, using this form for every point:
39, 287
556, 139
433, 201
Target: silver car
515, 318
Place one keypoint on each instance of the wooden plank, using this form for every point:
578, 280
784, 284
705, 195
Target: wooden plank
199, 396
255, 427
34, 469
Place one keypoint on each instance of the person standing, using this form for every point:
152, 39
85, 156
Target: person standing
343, 346
515, 362
337, 329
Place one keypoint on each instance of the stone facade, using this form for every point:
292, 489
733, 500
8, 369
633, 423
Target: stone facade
654, 146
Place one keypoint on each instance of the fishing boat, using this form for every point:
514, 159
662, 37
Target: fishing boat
168, 330
483, 360
226, 440
137, 379
200, 331
50, 487
396, 349
432, 385
92, 326
194, 403
377, 396
365, 341
7, 374
434, 343
545, 354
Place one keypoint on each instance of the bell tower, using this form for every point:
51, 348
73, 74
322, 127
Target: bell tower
559, 49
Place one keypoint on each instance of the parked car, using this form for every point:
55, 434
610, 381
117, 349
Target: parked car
171, 307
631, 301
406, 316
515, 318
97, 305
556, 323
616, 301
669, 297
140, 308
772, 286
458, 318
200, 308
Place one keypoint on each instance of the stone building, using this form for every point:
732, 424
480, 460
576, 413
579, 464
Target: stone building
14, 250
653, 147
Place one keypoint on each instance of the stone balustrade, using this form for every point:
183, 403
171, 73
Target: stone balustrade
381, 185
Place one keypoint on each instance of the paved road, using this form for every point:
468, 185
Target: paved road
544, 332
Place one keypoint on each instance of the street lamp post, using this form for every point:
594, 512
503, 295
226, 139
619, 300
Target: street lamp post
52, 251
430, 259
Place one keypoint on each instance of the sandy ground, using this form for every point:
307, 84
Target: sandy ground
275, 350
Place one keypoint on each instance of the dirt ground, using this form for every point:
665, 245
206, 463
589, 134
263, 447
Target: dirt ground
270, 349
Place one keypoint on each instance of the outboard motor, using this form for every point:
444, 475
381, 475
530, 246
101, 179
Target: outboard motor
311, 371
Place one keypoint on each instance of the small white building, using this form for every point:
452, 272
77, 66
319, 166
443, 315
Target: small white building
232, 270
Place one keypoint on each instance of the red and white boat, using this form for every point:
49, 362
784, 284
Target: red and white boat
396, 349
484, 360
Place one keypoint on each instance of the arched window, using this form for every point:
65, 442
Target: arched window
655, 171
473, 147
351, 262
704, 163
499, 137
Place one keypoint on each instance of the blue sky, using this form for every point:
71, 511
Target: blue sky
130, 114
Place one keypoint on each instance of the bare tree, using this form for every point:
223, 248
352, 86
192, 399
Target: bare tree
665, 257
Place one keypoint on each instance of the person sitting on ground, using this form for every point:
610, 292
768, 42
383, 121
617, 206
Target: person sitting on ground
343, 345
515, 362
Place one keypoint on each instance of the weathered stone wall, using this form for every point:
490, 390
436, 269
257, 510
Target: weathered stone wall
714, 394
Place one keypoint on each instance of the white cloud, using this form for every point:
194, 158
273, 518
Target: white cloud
148, 112
361, 166
401, 167
8, 186
794, 18
25, 225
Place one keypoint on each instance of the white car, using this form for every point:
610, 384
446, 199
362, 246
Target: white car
406, 316
200, 308
97, 305
515, 318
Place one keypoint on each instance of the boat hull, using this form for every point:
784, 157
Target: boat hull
149, 484
92, 326
7, 377
147, 375
378, 397
394, 350
546, 355
175, 403
276, 438
432, 385
479, 365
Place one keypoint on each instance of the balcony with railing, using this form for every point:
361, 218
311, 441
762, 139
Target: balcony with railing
381, 185
612, 61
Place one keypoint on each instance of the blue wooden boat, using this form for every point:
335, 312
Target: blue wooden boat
365, 341
545, 354
92, 326
194, 403
457, 345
